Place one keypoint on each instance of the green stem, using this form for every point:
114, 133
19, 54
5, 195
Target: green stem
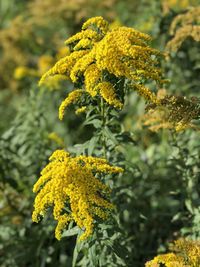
103, 116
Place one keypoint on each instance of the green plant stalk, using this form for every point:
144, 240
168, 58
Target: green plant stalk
104, 119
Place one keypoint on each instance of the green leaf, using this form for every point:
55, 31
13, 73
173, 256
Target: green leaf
77, 249
92, 143
95, 122
119, 250
177, 217
110, 135
93, 256
188, 204
71, 232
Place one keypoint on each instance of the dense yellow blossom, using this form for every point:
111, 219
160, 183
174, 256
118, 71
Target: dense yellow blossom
69, 185
63, 66
87, 34
185, 253
80, 66
92, 77
107, 91
99, 53
70, 99
145, 93
99, 22
83, 43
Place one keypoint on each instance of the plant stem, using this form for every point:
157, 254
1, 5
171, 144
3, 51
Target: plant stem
103, 116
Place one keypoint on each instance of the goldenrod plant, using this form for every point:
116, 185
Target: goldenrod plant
101, 60
183, 253
172, 112
73, 179
99, 162
103, 65
185, 26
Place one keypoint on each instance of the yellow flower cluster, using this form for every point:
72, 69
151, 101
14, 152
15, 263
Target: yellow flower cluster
189, 27
145, 92
92, 77
171, 112
81, 110
98, 53
185, 253
107, 91
70, 186
70, 99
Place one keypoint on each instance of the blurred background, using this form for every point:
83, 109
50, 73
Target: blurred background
162, 197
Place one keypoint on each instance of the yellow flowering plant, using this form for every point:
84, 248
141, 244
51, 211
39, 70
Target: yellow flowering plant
172, 112
72, 180
106, 191
102, 60
104, 65
183, 253
188, 27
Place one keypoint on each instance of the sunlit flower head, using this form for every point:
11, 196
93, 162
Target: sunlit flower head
101, 57
70, 185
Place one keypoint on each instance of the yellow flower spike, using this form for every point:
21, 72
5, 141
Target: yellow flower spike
87, 34
81, 65
63, 66
97, 51
185, 253
169, 260
92, 77
83, 43
81, 110
71, 181
145, 92
97, 21
70, 99
107, 91
172, 112
62, 224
